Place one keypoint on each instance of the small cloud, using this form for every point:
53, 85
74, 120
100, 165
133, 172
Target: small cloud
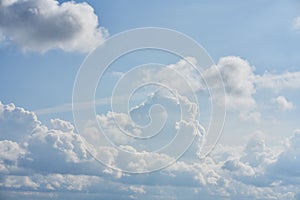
282, 103
296, 23
251, 116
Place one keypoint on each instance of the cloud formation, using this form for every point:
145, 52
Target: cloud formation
17, 124
44, 25
55, 160
282, 103
278, 82
237, 75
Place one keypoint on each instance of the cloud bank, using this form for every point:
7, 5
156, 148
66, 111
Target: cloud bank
52, 162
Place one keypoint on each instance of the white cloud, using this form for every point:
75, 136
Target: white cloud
282, 103
287, 166
277, 82
54, 151
17, 124
9, 154
137, 189
44, 25
56, 160
113, 131
17, 182
191, 75
237, 77
180, 127
296, 23
62, 125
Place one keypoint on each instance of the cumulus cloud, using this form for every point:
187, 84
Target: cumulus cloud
58, 147
237, 75
57, 160
178, 124
9, 154
187, 68
287, 166
240, 81
17, 124
282, 103
44, 25
62, 125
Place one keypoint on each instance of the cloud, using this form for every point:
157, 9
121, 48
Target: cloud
296, 23
44, 25
62, 165
54, 159
176, 123
282, 103
237, 77
62, 125
287, 166
19, 182
17, 124
277, 82
240, 80
187, 68
9, 154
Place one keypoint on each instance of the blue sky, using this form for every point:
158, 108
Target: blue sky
259, 32
255, 48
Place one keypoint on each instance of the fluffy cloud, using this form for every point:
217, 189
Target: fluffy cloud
287, 166
17, 124
237, 77
9, 154
237, 74
56, 160
54, 151
178, 124
43, 25
187, 68
282, 103
62, 125
242, 84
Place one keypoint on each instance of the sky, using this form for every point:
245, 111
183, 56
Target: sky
69, 132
